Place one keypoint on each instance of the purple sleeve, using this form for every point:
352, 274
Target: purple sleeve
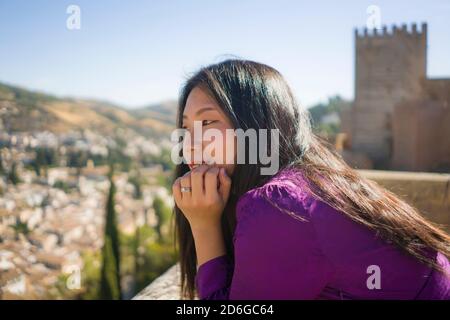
277, 255
213, 279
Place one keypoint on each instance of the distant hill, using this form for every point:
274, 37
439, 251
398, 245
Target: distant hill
164, 112
25, 110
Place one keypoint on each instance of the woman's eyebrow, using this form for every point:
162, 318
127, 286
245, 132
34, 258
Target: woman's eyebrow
201, 111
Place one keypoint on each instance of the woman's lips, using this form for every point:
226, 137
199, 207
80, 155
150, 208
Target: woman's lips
193, 166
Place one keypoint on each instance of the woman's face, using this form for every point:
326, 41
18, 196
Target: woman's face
212, 145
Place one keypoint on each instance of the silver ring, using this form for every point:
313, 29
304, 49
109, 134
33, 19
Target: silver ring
185, 189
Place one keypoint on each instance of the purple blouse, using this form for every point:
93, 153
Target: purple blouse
316, 252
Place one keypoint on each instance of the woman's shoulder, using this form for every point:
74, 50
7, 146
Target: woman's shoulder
285, 191
277, 211
287, 195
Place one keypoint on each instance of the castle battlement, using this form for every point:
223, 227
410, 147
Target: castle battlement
391, 31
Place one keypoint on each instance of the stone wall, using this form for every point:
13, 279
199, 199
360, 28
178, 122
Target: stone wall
421, 131
165, 287
428, 192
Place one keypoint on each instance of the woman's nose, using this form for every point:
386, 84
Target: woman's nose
193, 148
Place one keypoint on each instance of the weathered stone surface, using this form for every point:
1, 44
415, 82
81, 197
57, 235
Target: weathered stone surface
165, 287
428, 192
420, 129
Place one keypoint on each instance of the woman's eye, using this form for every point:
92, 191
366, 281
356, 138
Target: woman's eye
207, 122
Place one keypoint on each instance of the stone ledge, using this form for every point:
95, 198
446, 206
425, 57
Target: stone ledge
165, 287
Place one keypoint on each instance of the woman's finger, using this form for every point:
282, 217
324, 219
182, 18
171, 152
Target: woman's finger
176, 190
198, 188
185, 182
211, 180
225, 184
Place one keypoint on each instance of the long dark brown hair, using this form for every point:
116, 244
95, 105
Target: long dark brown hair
254, 95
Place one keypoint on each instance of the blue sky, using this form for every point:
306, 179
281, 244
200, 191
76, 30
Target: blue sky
138, 52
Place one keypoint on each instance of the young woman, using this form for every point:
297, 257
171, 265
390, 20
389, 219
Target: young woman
316, 229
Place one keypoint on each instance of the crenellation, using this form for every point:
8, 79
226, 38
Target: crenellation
404, 28
424, 28
393, 32
394, 29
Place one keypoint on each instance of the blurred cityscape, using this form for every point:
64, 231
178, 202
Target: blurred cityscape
54, 186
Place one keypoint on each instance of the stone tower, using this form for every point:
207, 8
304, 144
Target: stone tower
390, 68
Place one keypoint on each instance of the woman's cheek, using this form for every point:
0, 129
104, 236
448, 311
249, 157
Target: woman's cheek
212, 152
221, 152
229, 151
219, 156
220, 149
192, 154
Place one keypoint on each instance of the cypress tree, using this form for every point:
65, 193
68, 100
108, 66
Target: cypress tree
162, 213
137, 259
13, 177
2, 169
110, 273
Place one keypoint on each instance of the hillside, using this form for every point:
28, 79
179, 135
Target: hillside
25, 110
164, 111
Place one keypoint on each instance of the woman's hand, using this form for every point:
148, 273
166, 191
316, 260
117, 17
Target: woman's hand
203, 207
204, 204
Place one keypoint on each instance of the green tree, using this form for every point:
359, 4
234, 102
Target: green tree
20, 227
2, 169
77, 159
44, 158
136, 253
37, 168
110, 272
110, 281
155, 259
13, 177
136, 181
318, 112
162, 213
